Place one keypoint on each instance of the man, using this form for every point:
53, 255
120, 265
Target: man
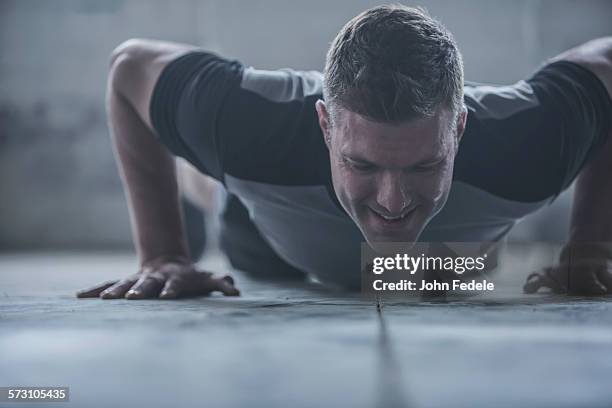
384, 146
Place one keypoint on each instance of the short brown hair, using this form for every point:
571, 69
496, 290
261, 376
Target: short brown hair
393, 63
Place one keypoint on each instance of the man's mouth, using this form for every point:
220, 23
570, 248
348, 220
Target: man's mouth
392, 220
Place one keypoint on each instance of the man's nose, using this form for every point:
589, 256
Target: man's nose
390, 195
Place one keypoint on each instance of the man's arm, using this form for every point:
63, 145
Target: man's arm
591, 218
586, 260
147, 168
149, 177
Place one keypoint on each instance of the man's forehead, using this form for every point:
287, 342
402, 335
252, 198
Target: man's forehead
418, 139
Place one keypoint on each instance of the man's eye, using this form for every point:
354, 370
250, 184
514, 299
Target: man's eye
424, 168
362, 167
428, 167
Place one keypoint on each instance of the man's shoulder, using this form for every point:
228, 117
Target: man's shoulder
274, 136
498, 102
508, 137
528, 141
283, 85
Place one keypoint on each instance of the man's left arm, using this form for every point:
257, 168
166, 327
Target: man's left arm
586, 260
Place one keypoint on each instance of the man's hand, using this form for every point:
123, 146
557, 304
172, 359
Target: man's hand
168, 280
584, 269
585, 266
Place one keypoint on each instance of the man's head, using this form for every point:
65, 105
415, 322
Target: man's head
392, 119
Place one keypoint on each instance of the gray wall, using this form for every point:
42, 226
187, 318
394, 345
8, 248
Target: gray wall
58, 183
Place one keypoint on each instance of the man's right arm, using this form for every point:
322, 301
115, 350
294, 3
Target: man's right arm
147, 167
148, 174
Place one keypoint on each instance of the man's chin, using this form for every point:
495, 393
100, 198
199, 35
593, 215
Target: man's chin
372, 238
384, 247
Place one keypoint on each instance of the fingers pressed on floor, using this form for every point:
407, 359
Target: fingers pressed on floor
95, 291
605, 277
533, 284
586, 284
173, 289
119, 289
147, 287
226, 286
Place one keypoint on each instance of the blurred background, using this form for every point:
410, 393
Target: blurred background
59, 187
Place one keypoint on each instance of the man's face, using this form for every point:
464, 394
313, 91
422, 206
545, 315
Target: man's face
391, 178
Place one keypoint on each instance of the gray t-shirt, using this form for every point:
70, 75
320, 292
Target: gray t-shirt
257, 132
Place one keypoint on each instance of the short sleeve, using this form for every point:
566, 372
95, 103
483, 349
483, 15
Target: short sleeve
528, 141
228, 119
581, 110
186, 102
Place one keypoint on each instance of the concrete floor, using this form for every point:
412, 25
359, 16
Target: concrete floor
295, 346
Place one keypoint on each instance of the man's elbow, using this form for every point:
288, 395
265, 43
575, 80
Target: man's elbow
135, 66
125, 63
132, 47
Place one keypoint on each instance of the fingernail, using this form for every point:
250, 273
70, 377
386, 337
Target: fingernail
168, 294
132, 293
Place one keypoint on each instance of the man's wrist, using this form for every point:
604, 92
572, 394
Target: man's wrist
586, 251
155, 262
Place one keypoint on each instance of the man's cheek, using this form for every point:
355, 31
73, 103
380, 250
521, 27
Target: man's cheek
442, 185
357, 187
434, 187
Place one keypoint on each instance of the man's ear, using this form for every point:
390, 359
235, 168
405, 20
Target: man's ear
461, 121
324, 122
